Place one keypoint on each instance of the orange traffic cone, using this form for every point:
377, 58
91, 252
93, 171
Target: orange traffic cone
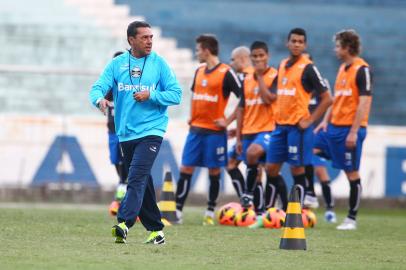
167, 205
293, 236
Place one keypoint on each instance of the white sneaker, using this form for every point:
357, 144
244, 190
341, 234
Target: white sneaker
208, 218
348, 224
310, 201
209, 213
179, 216
330, 216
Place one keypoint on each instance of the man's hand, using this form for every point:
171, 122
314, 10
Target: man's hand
258, 73
221, 123
322, 126
110, 104
102, 105
305, 123
351, 140
141, 96
231, 133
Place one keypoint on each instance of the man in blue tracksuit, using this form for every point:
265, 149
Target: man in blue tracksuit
143, 86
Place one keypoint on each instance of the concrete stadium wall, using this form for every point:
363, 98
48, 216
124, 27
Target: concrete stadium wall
72, 152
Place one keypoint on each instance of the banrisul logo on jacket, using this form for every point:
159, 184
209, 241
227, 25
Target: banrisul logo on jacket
136, 87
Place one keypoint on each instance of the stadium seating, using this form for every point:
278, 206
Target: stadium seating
53, 50
380, 24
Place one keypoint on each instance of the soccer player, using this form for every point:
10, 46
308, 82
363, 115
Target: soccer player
206, 143
241, 64
292, 140
143, 86
255, 122
116, 157
318, 168
347, 122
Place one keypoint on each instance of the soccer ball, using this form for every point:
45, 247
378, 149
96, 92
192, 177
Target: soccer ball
227, 213
236, 206
273, 218
309, 218
113, 208
245, 218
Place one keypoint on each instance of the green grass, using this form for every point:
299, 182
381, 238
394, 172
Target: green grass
32, 238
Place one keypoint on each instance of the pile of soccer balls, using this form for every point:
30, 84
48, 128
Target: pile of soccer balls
232, 214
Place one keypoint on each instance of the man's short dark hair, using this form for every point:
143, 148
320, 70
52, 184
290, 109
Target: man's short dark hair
209, 42
132, 28
298, 31
259, 45
349, 39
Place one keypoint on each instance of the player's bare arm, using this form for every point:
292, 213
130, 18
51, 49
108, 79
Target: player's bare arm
363, 109
267, 96
323, 124
240, 114
325, 102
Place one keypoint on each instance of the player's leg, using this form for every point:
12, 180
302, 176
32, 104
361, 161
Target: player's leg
354, 178
150, 216
324, 178
235, 173
122, 173
119, 165
310, 199
349, 222
275, 186
182, 190
300, 143
253, 152
139, 156
214, 157
349, 161
116, 159
214, 191
255, 156
277, 154
299, 179
259, 203
191, 157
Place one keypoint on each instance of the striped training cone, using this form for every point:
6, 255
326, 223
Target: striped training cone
167, 205
293, 236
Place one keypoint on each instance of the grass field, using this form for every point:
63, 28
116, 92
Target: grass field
58, 238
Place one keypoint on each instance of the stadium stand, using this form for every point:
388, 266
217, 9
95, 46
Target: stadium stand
380, 24
53, 50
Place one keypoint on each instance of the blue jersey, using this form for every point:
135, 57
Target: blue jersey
125, 75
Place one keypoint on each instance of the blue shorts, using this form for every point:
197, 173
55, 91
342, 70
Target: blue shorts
321, 143
205, 150
232, 154
342, 157
291, 144
318, 161
263, 139
114, 147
